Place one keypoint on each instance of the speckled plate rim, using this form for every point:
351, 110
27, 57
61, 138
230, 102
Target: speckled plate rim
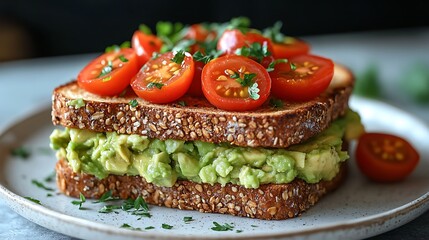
88, 229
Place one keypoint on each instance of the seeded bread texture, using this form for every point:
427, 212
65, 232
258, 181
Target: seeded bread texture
269, 201
199, 120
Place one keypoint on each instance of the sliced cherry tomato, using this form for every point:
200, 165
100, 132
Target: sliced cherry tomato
290, 47
197, 32
145, 45
195, 88
223, 79
110, 73
161, 80
234, 39
310, 78
385, 157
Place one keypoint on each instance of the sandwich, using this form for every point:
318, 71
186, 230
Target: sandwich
230, 139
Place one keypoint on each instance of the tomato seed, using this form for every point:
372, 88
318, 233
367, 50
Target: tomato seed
222, 78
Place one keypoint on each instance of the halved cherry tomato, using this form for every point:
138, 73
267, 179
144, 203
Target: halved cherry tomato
145, 45
385, 157
310, 78
195, 88
221, 83
161, 80
197, 32
110, 73
290, 47
234, 39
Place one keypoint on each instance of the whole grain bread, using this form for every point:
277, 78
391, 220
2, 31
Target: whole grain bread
269, 201
199, 120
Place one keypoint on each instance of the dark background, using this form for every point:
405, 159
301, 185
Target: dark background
54, 27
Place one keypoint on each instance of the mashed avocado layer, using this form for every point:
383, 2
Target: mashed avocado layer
163, 162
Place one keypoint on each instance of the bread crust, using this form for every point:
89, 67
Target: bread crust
199, 120
268, 202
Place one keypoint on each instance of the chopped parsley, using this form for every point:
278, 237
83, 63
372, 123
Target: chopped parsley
292, 66
20, 152
276, 103
123, 58
247, 81
79, 202
170, 34
137, 207
106, 197
188, 219
166, 226
49, 195
274, 63
254, 225
50, 177
109, 209
33, 200
179, 57
127, 226
155, 85
133, 103
219, 227
106, 69
274, 32
239, 231
40, 185
255, 50
149, 227
206, 58
182, 103
145, 29
116, 48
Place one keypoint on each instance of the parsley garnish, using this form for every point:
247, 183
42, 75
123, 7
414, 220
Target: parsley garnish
274, 63
155, 84
106, 197
182, 103
254, 225
123, 58
247, 81
200, 57
178, 57
292, 66
133, 103
145, 29
274, 33
255, 50
33, 200
149, 227
116, 48
20, 152
138, 206
49, 195
127, 226
50, 177
239, 231
77, 202
219, 227
106, 69
170, 34
276, 103
188, 219
40, 185
254, 91
166, 226
109, 208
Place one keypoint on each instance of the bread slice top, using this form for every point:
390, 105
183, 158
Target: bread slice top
199, 120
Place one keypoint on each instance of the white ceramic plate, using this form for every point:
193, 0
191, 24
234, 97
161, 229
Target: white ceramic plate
357, 210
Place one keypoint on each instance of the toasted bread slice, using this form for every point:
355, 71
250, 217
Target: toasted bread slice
199, 120
269, 201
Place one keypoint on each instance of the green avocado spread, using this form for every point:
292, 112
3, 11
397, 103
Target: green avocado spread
164, 162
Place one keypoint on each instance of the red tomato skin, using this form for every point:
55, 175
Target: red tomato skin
231, 40
382, 171
195, 89
170, 92
120, 78
145, 45
294, 48
301, 90
234, 104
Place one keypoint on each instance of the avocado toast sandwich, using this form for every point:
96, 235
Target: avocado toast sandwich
206, 128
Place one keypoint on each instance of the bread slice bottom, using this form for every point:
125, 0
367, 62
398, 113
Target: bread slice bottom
269, 201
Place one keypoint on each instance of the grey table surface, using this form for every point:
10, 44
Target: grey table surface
391, 51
